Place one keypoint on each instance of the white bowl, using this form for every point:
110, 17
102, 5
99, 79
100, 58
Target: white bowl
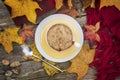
48, 52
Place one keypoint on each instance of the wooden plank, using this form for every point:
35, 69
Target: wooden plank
5, 20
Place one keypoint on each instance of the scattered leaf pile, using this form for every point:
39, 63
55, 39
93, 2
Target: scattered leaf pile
80, 63
8, 36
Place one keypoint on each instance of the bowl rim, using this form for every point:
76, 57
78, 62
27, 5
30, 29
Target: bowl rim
39, 30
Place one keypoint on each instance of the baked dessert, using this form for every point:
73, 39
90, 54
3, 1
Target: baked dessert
60, 37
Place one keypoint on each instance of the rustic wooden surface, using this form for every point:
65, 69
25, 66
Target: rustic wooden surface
30, 70
5, 20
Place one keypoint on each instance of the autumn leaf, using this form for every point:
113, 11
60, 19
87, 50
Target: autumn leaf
78, 66
35, 52
106, 3
87, 54
59, 4
81, 62
91, 33
26, 31
23, 7
8, 36
70, 4
50, 70
71, 12
87, 3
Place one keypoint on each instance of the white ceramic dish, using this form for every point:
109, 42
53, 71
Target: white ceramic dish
45, 50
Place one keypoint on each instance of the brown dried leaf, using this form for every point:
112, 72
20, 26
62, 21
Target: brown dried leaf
115, 3
71, 12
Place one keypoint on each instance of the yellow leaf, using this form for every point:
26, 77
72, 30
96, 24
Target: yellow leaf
78, 66
35, 52
70, 4
58, 4
115, 3
13, 31
87, 54
23, 7
50, 70
93, 4
8, 36
80, 62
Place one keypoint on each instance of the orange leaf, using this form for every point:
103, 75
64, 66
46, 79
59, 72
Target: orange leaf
91, 33
26, 31
71, 12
